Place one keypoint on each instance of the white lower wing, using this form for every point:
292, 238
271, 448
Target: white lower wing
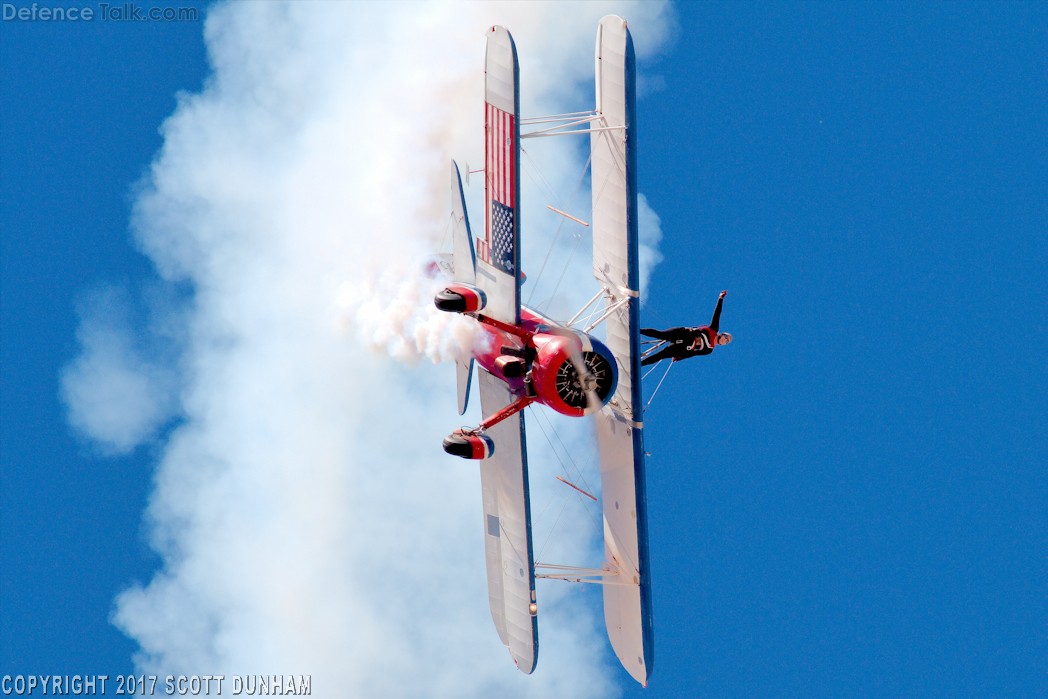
627, 602
498, 251
507, 528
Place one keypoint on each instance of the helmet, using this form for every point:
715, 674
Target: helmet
724, 338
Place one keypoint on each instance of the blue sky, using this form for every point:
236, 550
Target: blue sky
81, 107
847, 500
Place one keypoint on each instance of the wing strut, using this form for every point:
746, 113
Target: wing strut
593, 576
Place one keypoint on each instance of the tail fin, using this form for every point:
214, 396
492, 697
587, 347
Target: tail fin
461, 238
465, 270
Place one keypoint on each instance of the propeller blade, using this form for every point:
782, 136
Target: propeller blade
587, 381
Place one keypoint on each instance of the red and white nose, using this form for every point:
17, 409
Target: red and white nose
574, 374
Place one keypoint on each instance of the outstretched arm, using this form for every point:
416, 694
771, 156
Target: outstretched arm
715, 323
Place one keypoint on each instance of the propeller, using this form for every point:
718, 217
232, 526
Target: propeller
587, 381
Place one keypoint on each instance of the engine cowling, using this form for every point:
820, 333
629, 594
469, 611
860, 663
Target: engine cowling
469, 446
557, 381
460, 298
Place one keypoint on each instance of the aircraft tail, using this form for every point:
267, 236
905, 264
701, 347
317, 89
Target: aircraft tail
465, 272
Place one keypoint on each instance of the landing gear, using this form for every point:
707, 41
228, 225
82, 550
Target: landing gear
460, 298
472, 443
469, 445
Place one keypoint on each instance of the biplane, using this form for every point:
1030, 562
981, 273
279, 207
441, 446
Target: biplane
534, 359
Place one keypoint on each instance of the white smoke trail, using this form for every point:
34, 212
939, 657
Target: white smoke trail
307, 520
395, 314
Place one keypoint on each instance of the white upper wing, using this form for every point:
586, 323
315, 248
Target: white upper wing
507, 528
627, 605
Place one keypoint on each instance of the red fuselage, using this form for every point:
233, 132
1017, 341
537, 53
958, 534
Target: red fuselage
539, 358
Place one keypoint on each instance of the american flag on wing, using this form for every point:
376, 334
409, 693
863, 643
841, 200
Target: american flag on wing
500, 150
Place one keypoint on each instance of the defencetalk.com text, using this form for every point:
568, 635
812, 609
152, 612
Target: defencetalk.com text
105, 11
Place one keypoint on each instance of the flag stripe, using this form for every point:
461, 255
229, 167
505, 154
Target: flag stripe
500, 161
489, 167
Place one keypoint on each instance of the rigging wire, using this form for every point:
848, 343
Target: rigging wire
535, 175
578, 237
653, 368
581, 477
533, 172
549, 502
563, 272
648, 404
447, 230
